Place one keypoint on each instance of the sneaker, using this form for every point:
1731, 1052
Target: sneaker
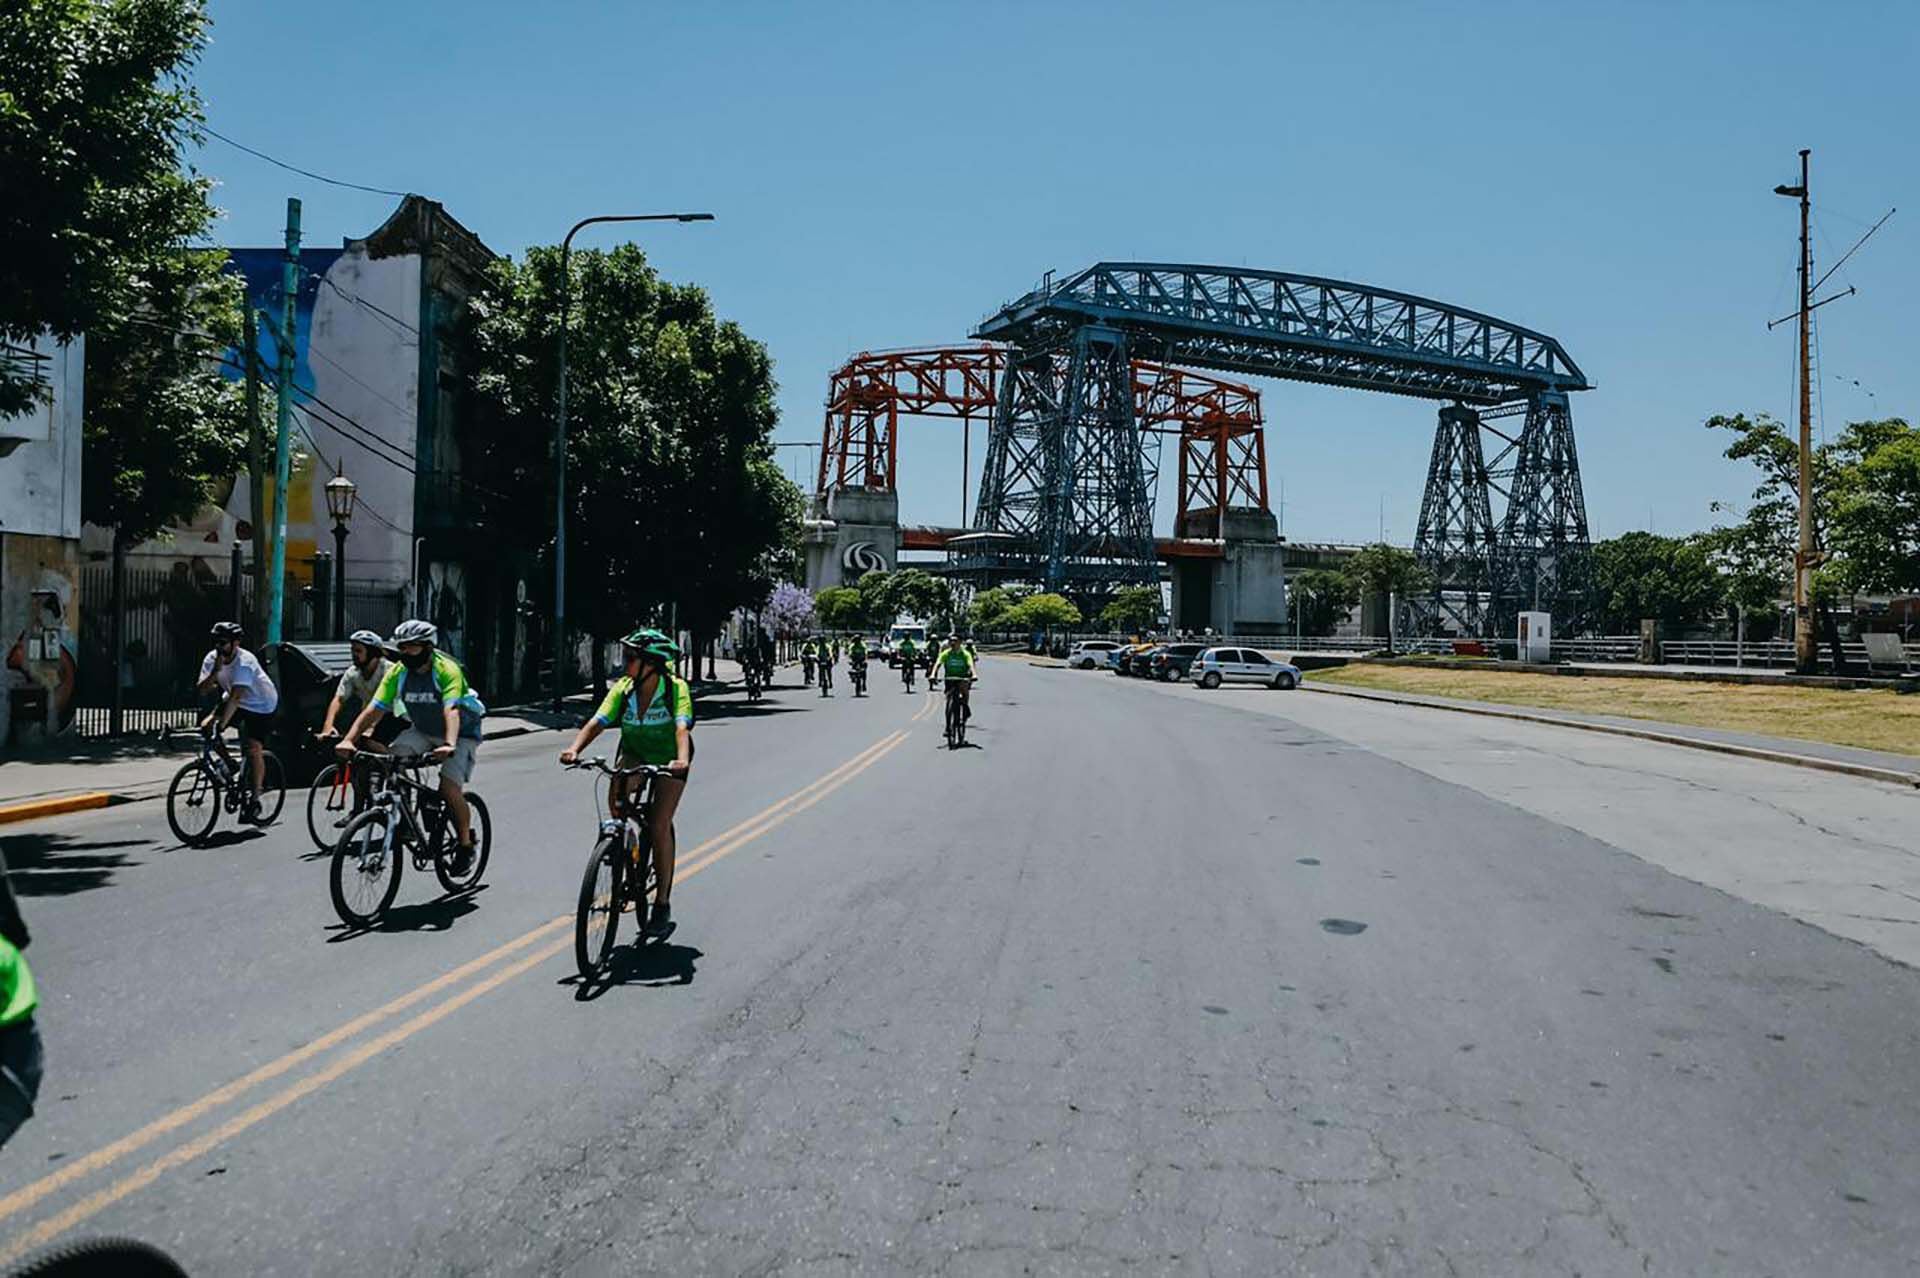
250, 811
461, 861
660, 922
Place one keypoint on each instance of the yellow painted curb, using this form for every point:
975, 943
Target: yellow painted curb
54, 806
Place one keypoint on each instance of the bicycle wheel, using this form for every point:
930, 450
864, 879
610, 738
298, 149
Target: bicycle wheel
597, 924
330, 805
273, 793
482, 846
366, 872
128, 1257
953, 723
193, 804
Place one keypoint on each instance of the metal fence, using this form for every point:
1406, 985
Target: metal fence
167, 617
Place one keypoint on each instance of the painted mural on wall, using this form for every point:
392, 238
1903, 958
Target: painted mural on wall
40, 619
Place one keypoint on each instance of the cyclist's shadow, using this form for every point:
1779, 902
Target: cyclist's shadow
436, 915
654, 965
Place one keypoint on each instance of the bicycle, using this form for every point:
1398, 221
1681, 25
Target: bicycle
806, 671
826, 679
402, 815
957, 713
857, 671
907, 667
623, 850
751, 671
338, 795
215, 781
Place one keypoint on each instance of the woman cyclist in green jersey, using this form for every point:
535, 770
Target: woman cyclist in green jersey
654, 711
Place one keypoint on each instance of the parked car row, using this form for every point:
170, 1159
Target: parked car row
1206, 664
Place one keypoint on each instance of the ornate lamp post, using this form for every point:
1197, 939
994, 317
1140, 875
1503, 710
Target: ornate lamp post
341, 493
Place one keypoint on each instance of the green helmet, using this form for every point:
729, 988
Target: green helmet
653, 643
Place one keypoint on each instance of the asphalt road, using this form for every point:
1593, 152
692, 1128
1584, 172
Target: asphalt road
1244, 982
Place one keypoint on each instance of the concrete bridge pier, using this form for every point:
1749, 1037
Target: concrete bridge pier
851, 532
1244, 591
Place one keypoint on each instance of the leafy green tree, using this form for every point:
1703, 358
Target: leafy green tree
1319, 597
95, 108
1641, 574
1044, 612
1381, 569
988, 610
164, 431
1875, 515
1133, 609
839, 608
675, 499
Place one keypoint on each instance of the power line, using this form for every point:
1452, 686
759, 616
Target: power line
350, 376
361, 301
294, 168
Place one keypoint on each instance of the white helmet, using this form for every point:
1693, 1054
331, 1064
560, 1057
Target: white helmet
415, 631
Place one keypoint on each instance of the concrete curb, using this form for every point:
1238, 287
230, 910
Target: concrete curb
33, 809
1865, 771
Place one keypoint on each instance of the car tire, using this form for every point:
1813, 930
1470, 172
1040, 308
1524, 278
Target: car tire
1210, 680
1283, 681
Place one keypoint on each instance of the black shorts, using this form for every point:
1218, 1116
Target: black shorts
253, 725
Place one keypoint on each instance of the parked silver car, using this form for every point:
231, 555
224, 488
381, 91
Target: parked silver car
1216, 666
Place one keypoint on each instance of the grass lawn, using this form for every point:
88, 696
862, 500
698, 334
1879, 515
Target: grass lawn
1873, 719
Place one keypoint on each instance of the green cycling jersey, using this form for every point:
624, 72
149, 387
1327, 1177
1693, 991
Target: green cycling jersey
648, 734
957, 663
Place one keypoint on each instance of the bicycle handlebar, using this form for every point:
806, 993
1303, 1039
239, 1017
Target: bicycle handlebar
601, 765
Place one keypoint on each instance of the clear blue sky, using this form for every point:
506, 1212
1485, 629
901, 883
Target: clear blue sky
886, 174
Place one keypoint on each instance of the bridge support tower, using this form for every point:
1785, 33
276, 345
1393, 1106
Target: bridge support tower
1544, 556
1455, 539
1066, 472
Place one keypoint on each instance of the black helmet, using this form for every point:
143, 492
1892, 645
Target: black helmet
228, 630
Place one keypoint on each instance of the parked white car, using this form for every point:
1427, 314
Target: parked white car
1089, 653
1216, 666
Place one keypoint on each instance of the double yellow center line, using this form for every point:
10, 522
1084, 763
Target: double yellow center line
692, 862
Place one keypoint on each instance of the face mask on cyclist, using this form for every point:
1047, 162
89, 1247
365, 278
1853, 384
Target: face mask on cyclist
417, 660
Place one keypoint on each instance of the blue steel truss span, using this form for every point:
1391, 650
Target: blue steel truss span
1056, 485
1302, 328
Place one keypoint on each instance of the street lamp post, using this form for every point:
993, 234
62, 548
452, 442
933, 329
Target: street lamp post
341, 493
560, 431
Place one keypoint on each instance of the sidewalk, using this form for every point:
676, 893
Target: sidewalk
1876, 765
96, 773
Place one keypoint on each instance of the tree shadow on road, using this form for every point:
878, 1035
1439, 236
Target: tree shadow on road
51, 864
652, 965
437, 915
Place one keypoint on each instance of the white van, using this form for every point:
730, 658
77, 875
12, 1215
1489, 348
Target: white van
914, 630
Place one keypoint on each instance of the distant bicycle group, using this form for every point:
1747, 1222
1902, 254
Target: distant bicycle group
957, 662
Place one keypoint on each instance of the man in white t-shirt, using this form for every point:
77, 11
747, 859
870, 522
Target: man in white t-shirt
249, 696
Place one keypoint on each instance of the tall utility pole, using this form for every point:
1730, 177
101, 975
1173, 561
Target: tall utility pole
1805, 652
282, 448
256, 462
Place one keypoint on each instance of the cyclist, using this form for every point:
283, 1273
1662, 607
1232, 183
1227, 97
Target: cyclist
929, 657
808, 651
249, 696
908, 654
655, 714
826, 653
957, 664
359, 681
857, 661
20, 1049
443, 721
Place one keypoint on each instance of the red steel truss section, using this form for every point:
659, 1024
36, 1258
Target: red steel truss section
1223, 454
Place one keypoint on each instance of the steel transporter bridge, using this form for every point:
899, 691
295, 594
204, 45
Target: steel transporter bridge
1078, 373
